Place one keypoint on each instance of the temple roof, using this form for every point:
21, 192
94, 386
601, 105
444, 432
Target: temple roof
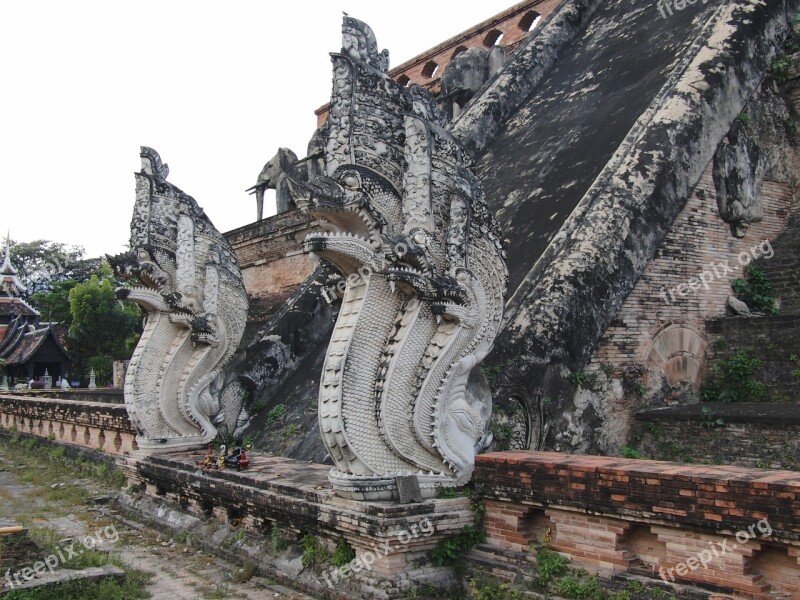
30, 343
9, 282
10, 305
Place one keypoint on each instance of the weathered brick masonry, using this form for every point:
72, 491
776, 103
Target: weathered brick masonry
761, 435
698, 238
658, 340
97, 425
783, 271
649, 517
272, 260
773, 340
295, 498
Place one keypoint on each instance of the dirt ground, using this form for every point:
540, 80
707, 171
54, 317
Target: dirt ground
37, 496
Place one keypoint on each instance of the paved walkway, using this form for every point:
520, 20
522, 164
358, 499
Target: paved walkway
179, 571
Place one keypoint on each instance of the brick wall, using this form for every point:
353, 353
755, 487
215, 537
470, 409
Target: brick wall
698, 238
651, 518
270, 239
654, 352
772, 340
765, 436
89, 424
271, 258
783, 270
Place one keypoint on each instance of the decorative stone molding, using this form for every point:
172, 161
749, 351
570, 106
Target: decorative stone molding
407, 225
96, 425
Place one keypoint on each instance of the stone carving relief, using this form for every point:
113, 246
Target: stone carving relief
407, 225
739, 167
466, 74
185, 275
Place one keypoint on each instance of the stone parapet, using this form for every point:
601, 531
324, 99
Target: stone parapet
726, 528
296, 499
96, 425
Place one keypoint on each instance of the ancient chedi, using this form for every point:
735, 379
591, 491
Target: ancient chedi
426, 277
186, 277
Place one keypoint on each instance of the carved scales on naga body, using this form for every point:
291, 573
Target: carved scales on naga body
426, 279
186, 277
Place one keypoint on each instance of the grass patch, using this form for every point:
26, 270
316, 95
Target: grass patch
132, 588
44, 465
313, 551
276, 414
344, 553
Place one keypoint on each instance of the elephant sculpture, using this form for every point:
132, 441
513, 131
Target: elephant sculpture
273, 177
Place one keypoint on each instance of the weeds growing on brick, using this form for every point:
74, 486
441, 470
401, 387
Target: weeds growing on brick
733, 380
451, 551
343, 554
755, 290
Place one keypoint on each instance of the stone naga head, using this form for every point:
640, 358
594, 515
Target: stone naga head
184, 274
406, 223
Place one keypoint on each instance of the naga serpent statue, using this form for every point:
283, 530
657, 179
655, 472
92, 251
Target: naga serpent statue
407, 225
186, 277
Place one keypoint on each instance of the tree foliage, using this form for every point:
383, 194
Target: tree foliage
54, 305
78, 294
42, 263
103, 329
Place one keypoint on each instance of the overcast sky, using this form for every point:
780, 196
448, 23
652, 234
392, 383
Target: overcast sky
214, 87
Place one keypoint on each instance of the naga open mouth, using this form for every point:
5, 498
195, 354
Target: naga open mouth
350, 232
350, 223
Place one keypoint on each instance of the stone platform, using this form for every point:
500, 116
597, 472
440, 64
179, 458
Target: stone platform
391, 541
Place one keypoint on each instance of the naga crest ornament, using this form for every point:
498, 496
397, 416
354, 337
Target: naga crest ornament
185, 276
406, 223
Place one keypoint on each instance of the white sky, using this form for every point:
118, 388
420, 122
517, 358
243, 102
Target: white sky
214, 87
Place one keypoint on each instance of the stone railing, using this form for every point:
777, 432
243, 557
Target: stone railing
96, 425
74, 394
729, 528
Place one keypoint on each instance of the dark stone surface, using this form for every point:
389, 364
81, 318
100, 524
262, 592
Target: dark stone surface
568, 297
539, 167
280, 365
408, 488
736, 412
501, 97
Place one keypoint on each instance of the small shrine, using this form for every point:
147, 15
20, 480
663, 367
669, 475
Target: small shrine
28, 349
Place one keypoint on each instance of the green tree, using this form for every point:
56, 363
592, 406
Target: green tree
54, 305
41, 263
103, 329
